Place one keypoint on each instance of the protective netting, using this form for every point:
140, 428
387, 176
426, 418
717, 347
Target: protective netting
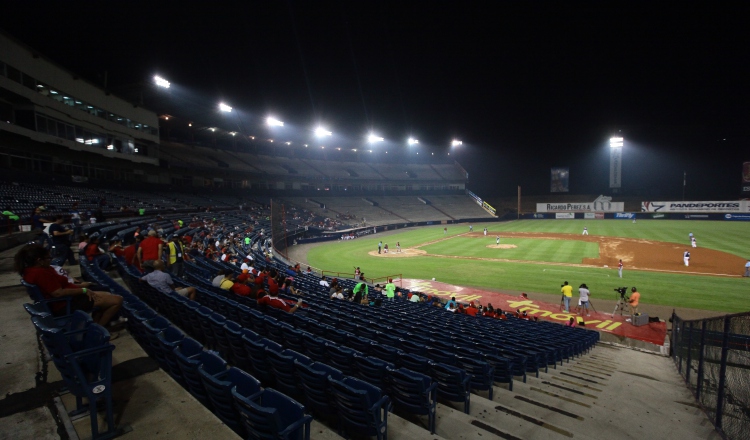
278, 228
713, 355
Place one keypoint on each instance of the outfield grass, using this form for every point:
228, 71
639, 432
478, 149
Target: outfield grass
692, 291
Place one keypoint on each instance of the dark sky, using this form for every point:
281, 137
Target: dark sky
526, 85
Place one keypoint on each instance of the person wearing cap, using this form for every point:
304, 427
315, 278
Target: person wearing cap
747, 269
151, 248
472, 310
451, 303
390, 290
240, 286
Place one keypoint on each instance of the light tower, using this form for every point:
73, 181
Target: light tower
615, 163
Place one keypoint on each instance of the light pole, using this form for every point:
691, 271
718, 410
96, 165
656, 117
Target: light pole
615, 163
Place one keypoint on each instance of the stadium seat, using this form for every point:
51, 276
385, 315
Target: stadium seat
219, 387
453, 383
415, 393
272, 415
362, 408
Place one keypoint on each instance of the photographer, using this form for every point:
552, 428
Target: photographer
583, 299
633, 301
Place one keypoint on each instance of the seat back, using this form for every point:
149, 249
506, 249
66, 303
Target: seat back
415, 393
361, 407
272, 415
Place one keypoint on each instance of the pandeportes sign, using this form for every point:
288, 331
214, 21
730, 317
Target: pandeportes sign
696, 207
601, 204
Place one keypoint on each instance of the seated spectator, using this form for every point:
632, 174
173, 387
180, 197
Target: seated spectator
129, 253
95, 255
288, 289
228, 281
216, 281
472, 310
337, 294
82, 242
500, 314
245, 266
161, 281
32, 262
450, 303
571, 322
115, 247
525, 315
415, 298
240, 286
451, 307
324, 282
273, 300
309, 270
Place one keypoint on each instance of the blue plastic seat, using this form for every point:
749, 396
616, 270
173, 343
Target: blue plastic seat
283, 363
169, 339
272, 415
314, 379
219, 387
315, 347
190, 356
373, 371
482, 374
36, 295
256, 351
342, 358
454, 384
362, 408
414, 393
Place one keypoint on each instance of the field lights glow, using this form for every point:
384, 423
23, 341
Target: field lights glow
615, 142
161, 82
456, 143
413, 141
273, 122
321, 132
225, 108
371, 138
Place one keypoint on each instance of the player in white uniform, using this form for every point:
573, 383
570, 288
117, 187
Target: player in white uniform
686, 257
585, 231
471, 228
692, 242
497, 239
398, 246
485, 231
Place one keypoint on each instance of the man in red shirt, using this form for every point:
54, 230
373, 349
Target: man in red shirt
472, 310
240, 286
150, 248
274, 301
129, 253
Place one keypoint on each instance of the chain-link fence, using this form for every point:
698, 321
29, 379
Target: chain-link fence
279, 234
713, 355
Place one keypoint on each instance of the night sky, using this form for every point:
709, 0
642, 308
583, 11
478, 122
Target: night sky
525, 85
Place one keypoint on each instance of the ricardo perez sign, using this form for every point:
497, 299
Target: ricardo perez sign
601, 204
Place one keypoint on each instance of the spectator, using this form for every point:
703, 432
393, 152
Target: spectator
571, 322
228, 281
415, 297
216, 281
450, 303
240, 287
115, 247
95, 254
390, 290
245, 266
472, 310
61, 240
273, 300
337, 294
323, 281
288, 288
451, 307
32, 262
334, 285
130, 253
161, 281
360, 289
176, 256
150, 248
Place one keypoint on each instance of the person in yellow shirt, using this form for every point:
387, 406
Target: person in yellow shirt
635, 298
567, 292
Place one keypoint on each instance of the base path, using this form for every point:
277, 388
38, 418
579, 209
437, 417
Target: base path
603, 321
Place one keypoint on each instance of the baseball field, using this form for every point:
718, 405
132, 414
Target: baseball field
538, 255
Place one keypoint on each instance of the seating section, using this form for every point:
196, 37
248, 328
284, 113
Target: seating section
264, 371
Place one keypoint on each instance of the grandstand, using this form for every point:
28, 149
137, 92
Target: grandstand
227, 365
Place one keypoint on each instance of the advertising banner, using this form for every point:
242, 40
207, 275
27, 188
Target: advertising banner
559, 180
737, 217
696, 207
565, 215
601, 204
746, 178
615, 167
624, 215
589, 215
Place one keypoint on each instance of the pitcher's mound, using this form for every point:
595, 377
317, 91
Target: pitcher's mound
502, 246
402, 254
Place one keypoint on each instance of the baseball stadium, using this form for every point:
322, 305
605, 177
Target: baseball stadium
176, 267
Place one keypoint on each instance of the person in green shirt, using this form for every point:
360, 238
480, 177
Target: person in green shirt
390, 290
141, 211
358, 291
247, 241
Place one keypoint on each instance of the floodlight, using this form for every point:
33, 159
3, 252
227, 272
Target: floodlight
273, 122
371, 138
161, 82
456, 143
110, 147
233, 133
288, 143
321, 132
224, 108
615, 142
413, 141
212, 128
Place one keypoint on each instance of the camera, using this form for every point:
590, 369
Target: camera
622, 291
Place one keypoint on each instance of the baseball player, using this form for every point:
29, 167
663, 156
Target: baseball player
686, 257
485, 231
398, 246
497, 239
585, 231
619, 269
445, 231
380, 246
385, 248
692, 242
471, 228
